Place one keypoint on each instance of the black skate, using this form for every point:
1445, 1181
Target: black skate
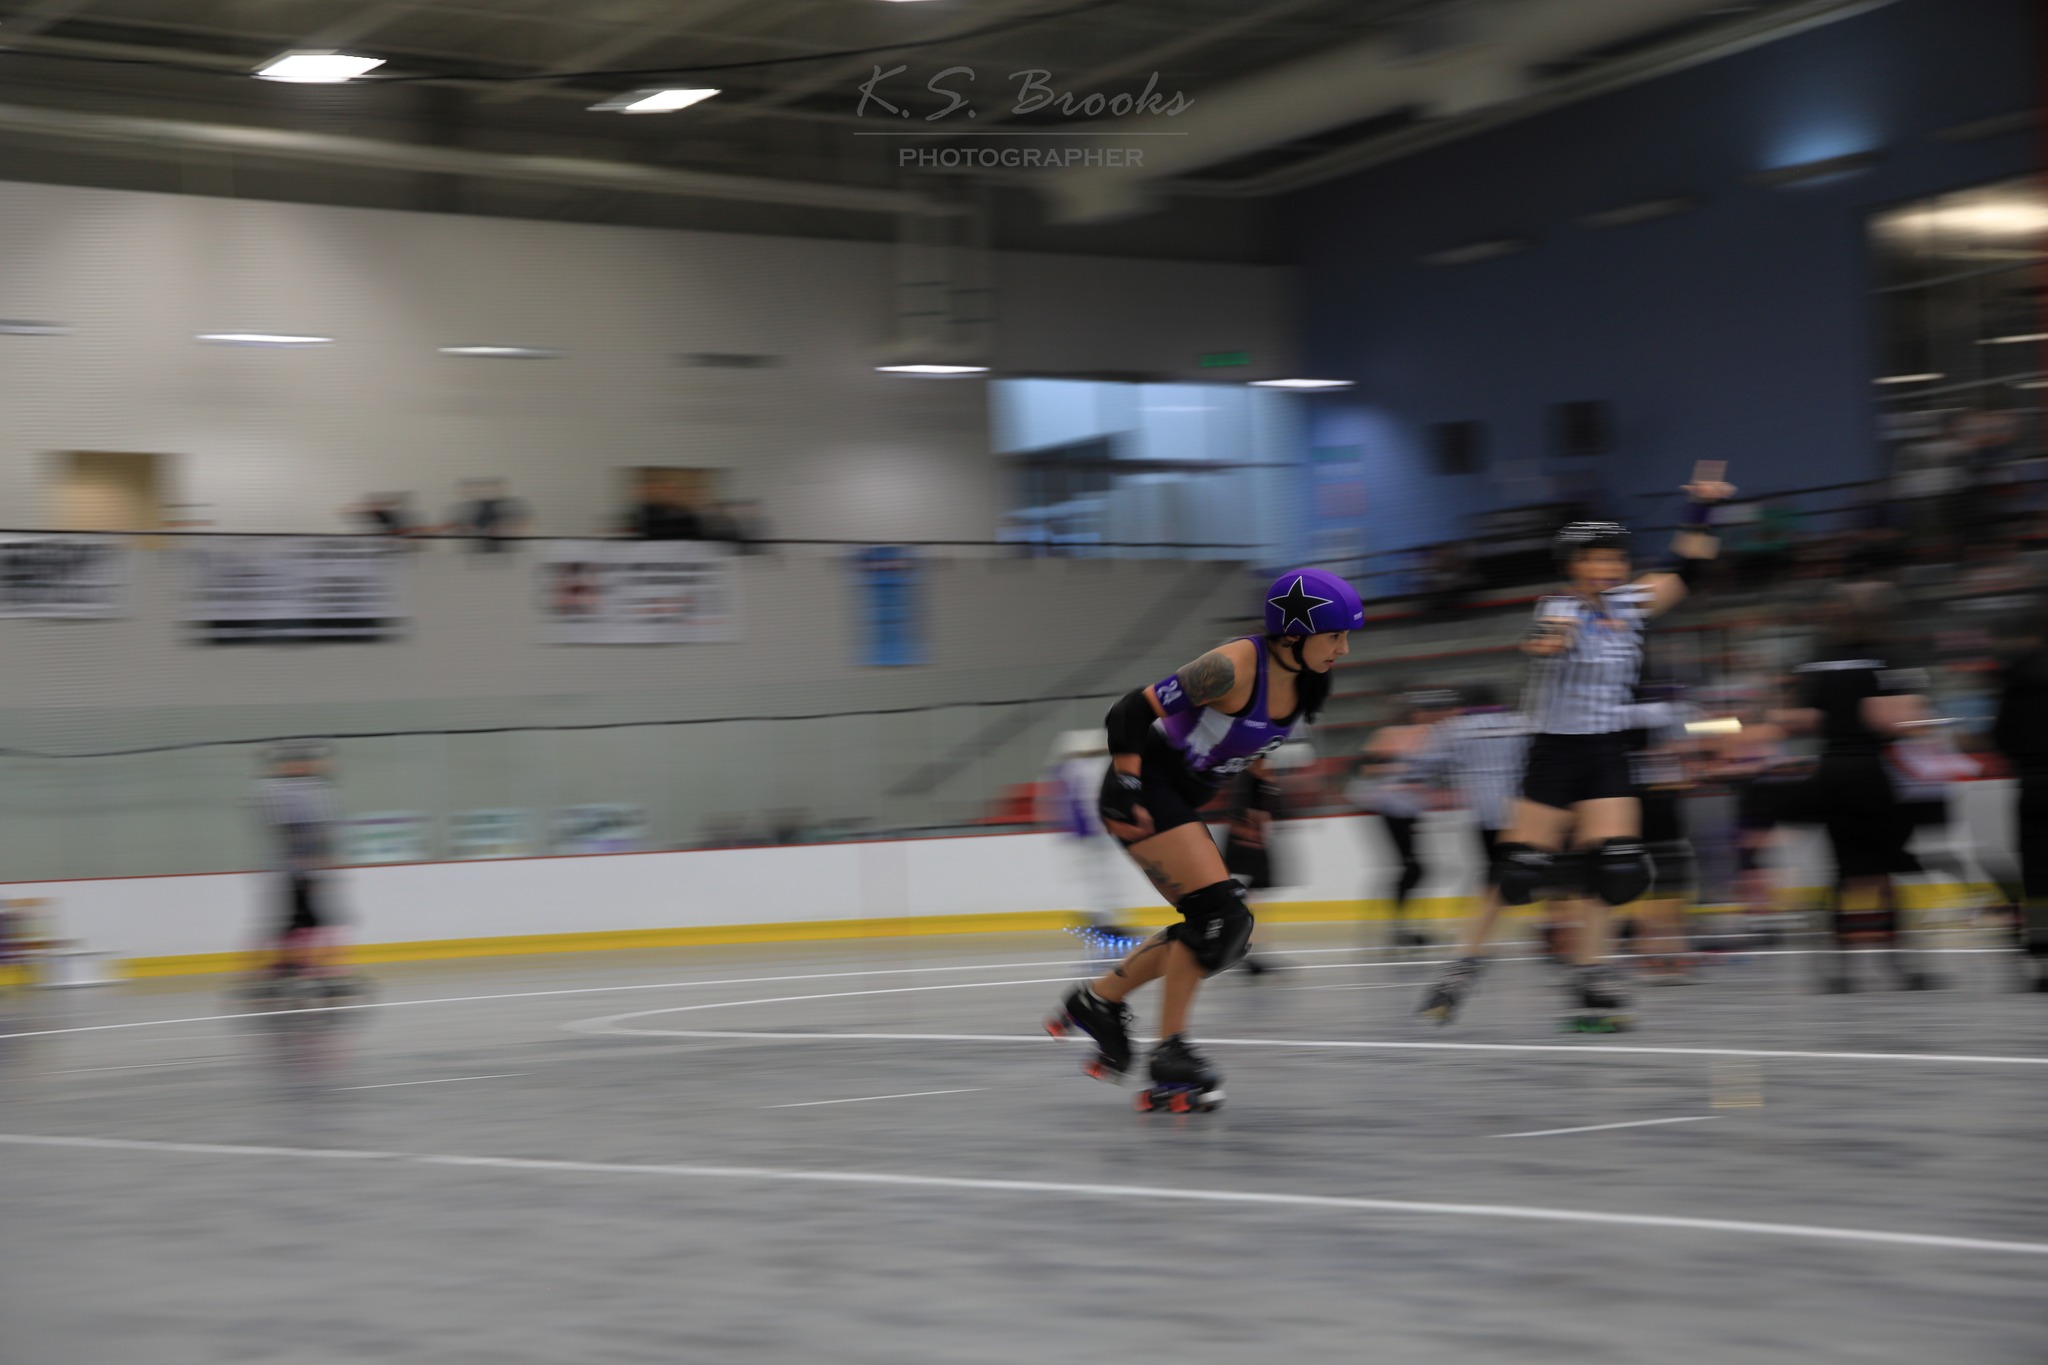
1597, 1004
1108, 1024
1447, 993
1183, 1082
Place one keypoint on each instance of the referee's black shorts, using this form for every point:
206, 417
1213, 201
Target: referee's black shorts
1563, 770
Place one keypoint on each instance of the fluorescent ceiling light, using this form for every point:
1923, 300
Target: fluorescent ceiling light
940, 370
1474, 252
1909, 378
1646, 211
318, 68
2015, 339
22, 327
2030, 383
262, 339
1826, 168
653, 101
1301, 383
503, 352
2014, 217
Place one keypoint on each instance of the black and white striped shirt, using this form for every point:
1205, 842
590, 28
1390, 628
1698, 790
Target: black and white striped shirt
1480, 755
1587, 690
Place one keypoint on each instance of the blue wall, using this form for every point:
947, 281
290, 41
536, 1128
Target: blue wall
1741, 330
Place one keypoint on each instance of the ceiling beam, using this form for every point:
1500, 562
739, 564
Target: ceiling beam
679, 19
42, 15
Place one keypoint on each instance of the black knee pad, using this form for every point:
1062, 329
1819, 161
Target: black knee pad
1216, 925
1621, 871
1522, 871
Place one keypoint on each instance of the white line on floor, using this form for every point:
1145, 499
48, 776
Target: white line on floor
863, 1099
138, 1066
1603, 1127
1358, 1044
1073, 1189
444, 1080
1081, 968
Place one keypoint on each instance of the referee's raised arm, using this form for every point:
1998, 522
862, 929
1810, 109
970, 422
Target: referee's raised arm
1695, 544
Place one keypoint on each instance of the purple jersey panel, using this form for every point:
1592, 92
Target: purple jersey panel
1218, 744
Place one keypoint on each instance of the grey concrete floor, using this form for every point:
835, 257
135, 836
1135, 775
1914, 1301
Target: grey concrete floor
559, 1160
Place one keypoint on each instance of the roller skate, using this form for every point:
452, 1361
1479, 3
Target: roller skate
1183, 1082
1446, 995
1597, 1004
1109, 1024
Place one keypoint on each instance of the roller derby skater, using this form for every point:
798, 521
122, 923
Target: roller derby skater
1389, 785
300, 964
1171, 745
1586, 652
1478, 754
1857, 700
1079, 760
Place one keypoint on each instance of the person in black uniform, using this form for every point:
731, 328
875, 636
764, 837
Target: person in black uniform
1857, 698
2021, 734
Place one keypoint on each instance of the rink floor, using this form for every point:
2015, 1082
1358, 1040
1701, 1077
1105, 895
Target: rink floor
868, 1152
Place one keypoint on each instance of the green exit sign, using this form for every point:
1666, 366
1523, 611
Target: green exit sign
1217, 360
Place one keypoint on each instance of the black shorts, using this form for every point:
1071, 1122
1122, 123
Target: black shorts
1172, 795
1563, 770
302, 903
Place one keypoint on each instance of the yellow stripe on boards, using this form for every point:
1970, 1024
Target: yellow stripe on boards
1442, 909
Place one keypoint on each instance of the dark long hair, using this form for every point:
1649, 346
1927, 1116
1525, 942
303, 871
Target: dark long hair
1311, 689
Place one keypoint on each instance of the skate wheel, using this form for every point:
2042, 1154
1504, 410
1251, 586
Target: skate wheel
1056, 1027
1146, 1102
1179, 1103
1094, 1070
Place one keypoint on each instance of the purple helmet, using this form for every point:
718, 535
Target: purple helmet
1311, 601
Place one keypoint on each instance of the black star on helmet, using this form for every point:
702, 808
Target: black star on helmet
1298, 604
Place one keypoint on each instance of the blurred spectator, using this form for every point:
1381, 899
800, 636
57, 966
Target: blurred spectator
1448, 577
659, 511
744, 525
488, 515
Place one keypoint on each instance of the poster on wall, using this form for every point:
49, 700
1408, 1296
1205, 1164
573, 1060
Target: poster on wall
392, 836
889, 580
300, 590
599, 828
64, 577
639, 593
476, 834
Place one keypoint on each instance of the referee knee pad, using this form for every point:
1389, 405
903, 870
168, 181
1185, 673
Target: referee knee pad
1217, 927
1522, 871
1621, 871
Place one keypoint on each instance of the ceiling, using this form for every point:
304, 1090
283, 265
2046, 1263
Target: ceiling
484, 105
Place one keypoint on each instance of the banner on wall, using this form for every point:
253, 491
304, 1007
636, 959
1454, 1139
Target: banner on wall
599, 828
396, 836
296, 591
495, 833
890, 582
639, 593
64, 578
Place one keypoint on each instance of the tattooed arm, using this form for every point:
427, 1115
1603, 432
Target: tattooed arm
1224, 677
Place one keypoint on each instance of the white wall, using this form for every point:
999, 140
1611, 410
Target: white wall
270, 440
999, 629
1335, 859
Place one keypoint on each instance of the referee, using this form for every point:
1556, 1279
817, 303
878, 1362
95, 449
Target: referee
1586, 655
1479, 754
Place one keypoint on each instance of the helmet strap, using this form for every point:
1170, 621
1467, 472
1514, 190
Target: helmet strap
1298, 666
